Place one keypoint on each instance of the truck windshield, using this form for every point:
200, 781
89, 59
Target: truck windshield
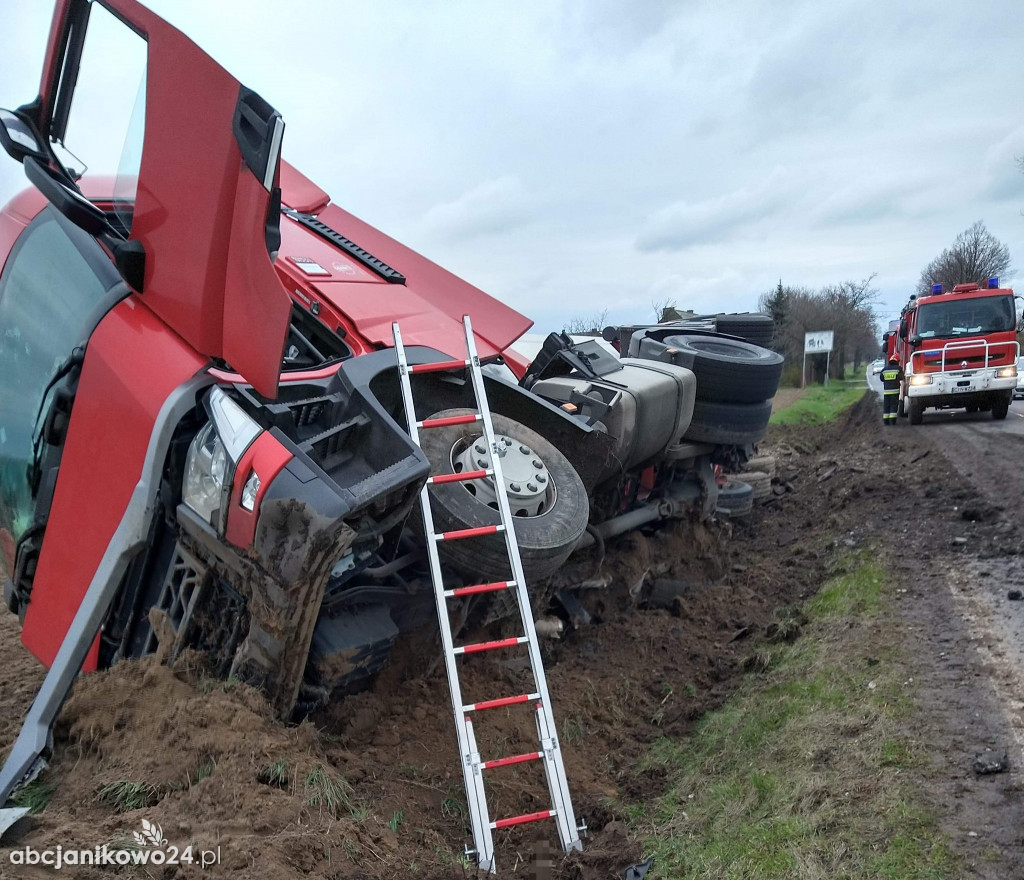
966, 317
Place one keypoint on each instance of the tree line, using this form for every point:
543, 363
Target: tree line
846, 308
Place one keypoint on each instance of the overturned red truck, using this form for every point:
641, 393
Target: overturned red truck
201, 438
957, 349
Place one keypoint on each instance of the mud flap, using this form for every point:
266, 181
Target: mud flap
35, 740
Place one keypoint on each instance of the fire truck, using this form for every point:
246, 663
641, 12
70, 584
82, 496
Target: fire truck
958, 350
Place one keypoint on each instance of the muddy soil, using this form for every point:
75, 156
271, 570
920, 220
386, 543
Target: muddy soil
218, 771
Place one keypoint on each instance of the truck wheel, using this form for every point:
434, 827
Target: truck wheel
916, 411
728, 370
1000, 408
756, 329
549, 503
736, 498
728, 424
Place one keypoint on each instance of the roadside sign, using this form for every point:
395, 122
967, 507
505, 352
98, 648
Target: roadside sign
818, 342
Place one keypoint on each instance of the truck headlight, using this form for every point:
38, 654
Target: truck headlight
1007, 372
921, 379
213, 456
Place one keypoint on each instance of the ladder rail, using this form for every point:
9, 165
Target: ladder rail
472, 776
557, 783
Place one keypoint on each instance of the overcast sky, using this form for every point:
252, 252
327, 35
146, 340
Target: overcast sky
573, 156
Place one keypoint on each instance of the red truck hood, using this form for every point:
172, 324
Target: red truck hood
430, 303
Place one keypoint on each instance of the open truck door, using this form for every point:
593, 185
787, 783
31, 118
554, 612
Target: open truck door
193, 222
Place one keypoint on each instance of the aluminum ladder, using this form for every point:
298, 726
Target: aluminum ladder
549, 751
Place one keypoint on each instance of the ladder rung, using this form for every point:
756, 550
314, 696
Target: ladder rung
468, 533
459, 478
501, 701
450, 420
515, 759
491, 646
439, 367
479, 588
522, 820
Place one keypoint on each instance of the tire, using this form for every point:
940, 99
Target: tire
1000, 408
916, 411
728, 424
756, 329
765, 463
545, 541
727, 370
736, 498
760, 482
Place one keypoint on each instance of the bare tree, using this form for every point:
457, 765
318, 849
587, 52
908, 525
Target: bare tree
661, 306
581, 326
975, 255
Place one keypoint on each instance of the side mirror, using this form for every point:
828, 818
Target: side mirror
903, 329
19, 138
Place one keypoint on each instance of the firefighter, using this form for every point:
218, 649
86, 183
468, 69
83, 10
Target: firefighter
892, 375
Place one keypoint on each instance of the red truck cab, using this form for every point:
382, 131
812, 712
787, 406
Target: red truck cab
959, 349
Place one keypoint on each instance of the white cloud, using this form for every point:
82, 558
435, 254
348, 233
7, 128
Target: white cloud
494, 206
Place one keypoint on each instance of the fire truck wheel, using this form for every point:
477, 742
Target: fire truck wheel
728, 424
916, 411
1000, 408
728, 370
553, 515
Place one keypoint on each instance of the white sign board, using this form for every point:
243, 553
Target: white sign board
818, 342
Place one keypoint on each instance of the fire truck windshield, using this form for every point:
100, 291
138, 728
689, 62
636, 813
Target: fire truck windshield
965, 317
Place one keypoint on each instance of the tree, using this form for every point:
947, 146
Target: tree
776, 302
974, 256
583, 326
664, 309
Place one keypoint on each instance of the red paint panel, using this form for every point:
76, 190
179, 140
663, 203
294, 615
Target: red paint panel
430, 305
132, 364
256, 307
299, 192
268, 458
192, 188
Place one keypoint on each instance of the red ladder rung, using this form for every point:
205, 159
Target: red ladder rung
479, 588
501, 701
439, 367
458, 534
449, 420
522, 820
491, 646
459, 478
515, 759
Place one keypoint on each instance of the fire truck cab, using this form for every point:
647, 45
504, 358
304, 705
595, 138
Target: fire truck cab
958, 350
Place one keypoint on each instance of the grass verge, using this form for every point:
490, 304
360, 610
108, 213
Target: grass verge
821, 403
808, 772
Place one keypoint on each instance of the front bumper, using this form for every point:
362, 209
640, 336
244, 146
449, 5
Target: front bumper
954, 384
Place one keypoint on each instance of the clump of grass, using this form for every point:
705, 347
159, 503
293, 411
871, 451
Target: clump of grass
328, 792
573, 730
126, 795
277, 774
396, 821
36, 795
453, 808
